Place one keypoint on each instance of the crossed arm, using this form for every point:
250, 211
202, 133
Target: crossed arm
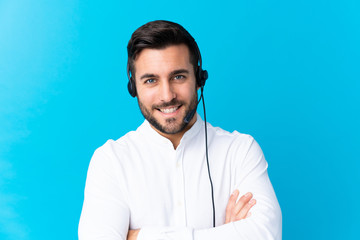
104, 214
235, 211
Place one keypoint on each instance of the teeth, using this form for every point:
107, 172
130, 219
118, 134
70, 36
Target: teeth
168, 110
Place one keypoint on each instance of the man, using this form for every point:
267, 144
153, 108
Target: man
174, 178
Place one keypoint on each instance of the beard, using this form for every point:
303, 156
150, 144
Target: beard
171, 125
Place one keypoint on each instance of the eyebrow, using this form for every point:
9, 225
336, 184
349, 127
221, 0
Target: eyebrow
179, 71
148, 75
175, 72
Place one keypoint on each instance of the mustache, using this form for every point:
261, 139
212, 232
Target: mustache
167, 104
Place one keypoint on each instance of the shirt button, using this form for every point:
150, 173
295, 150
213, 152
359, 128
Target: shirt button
179, 203
178, 164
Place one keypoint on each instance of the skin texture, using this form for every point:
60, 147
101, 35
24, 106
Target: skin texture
165, 79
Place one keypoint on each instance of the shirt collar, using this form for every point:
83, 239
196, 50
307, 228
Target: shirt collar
148, 131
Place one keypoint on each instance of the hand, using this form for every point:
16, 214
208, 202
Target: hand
132, 234
236, 211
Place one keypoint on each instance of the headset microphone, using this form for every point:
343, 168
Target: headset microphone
191, 114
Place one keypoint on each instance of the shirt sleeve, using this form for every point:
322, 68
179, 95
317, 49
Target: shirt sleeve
249, 175
105, 214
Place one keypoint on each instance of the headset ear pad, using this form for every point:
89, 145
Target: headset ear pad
131, 88
201, 77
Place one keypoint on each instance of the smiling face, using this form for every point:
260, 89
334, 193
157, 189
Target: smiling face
166, 89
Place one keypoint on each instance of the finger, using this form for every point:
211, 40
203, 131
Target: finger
230, 205
243, 213
132, 234
241, 203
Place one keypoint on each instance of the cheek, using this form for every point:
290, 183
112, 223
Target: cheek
189, 91
147, 97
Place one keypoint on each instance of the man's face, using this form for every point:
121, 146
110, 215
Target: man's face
166, 87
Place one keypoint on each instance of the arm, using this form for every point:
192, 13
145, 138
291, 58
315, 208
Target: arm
235, 211
249, 175
105, 214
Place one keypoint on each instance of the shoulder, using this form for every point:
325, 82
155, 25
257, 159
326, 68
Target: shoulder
111, 160
115, 151
236, 144
234, 137
118, 147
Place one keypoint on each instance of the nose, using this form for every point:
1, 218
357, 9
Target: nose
166, 92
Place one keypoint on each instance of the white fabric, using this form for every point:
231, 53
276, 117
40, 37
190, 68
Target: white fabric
141, 182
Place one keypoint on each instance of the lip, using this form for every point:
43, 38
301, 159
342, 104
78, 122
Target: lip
171, 114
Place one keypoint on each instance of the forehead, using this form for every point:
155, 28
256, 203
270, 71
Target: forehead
163, 60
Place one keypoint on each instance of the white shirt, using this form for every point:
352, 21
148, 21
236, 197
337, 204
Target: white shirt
141, 181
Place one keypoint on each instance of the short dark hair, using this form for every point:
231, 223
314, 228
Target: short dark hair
159, 35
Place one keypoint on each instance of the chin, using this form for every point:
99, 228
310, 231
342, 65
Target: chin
169, 125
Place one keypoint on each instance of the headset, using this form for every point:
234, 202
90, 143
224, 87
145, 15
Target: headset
201, 77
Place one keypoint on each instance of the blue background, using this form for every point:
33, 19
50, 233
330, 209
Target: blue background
286, 72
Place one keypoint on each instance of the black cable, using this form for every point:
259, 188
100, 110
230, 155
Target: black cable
207, 157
